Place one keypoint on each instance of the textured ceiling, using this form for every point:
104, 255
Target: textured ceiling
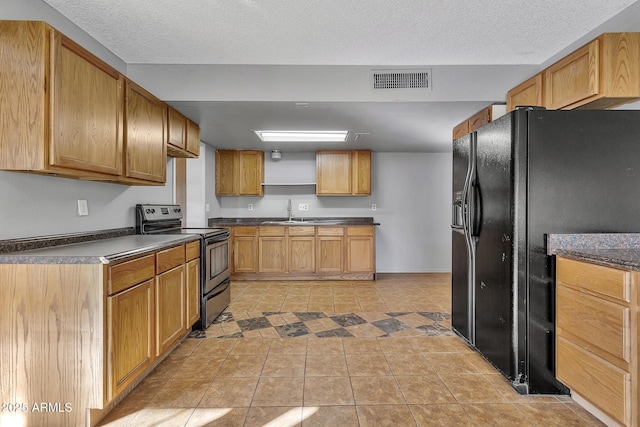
180, 50
337, 32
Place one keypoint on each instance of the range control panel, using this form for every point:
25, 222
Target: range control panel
160, 212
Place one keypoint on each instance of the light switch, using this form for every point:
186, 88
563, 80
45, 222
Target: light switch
83, 208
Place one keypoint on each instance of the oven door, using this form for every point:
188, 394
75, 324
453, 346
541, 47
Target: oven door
217, 264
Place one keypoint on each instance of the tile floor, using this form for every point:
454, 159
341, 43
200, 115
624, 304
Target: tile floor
381, 374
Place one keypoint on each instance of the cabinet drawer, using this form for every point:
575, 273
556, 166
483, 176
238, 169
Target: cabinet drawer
271, 231
169, 258
601, 383
595, 278
305, 230
245, 231
193, 250
600, 323
127, 274
330, 231
360, 231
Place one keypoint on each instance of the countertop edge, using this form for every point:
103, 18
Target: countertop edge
27, 257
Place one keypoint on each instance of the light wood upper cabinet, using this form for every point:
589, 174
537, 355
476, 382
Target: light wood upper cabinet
177, 131
239, 172
183, 136
61, 110
604, 73
461, 129
250, 172
597, 341
343, 173
479, 119
145, 131
530, 93
193, 138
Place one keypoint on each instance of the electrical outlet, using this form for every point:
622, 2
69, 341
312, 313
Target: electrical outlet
250, 207
303, 207
207, 207
374, 207
83, 208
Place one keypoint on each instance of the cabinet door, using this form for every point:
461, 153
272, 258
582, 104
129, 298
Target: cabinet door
333, 173
193, 138
480, 119
86, 127
245, 254
360, 254
461, 130
361, 171
145, 127
130, 320
302, 254
573, 78
272, 254
170, 317
330, 250
226, 173
193, 293
177, 129
250, 163
528, 92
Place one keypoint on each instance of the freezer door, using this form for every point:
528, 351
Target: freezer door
494, 292
462, 321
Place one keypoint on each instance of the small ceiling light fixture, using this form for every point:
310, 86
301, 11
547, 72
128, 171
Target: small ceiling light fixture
303, 136
276, 154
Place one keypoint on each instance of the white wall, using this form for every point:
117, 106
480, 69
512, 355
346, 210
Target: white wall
201, 188
412, 193
35, 205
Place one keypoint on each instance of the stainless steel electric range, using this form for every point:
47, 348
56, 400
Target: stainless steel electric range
215, 250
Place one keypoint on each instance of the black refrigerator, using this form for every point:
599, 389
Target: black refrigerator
530, 173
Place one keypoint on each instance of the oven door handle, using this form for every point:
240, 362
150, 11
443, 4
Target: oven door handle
218, 289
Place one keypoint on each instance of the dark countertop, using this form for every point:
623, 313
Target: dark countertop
102, 251
253, 221
619, 250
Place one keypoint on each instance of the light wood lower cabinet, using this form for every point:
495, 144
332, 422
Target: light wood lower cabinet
597, 341
131, 334
245, 249
360, 250
303, 253
272, 250
170, 303
99, 335
193, 292
330, 250
301, 250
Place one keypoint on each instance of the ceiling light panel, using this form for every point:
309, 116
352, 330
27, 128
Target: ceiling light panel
302, 136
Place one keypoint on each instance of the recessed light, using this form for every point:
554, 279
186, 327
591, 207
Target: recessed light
302, 136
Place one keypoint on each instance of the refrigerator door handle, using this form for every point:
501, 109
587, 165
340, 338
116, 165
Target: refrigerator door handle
472, 188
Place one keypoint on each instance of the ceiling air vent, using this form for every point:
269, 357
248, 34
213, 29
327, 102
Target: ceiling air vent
401, 79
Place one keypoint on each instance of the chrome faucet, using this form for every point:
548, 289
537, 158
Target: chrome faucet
289, 210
